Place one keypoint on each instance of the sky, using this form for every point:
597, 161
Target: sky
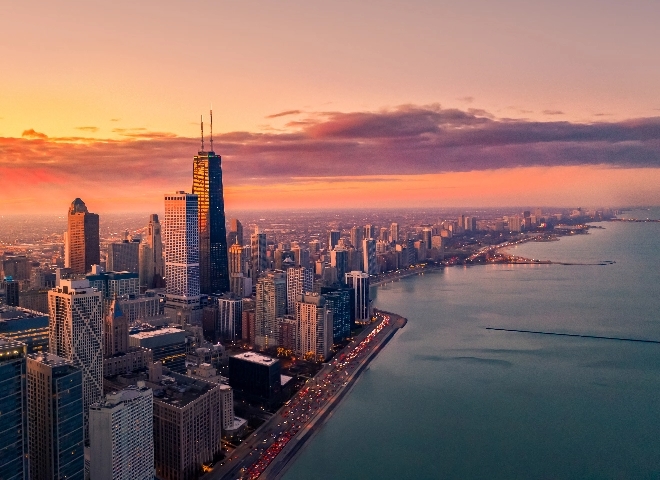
330, 104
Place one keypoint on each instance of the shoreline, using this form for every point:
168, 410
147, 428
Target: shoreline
278, 468
285, 448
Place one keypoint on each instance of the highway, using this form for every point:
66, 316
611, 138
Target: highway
282, 436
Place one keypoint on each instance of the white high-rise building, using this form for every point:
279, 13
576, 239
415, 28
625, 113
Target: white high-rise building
394, 232
227, 407
360, 282
299, 280
314, 321
121, 435
76, 334
230, 317
182, 258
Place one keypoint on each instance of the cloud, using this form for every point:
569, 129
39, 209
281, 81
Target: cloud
406, 140
283, 114
32, 134
88, 129
114, 119
552, 112
466, 99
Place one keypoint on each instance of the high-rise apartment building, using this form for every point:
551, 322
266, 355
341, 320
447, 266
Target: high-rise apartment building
121, 435
182, 258
83, 238
259, 261
76, 334
314, 320
55, 418
270, 304
394, 232
13, 411
207, 185
369, 254
152, 262
300, 256
299, 280
359, 281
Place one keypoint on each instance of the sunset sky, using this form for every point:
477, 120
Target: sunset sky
331, 104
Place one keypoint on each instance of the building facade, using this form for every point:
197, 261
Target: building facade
207, 185
76, 334
55, 418
152, 262
359, 281
122, 435
182, 257
13, 408
83, 242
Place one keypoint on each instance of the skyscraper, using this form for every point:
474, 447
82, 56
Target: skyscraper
315, 324
362, 307
394, 232
55, 418
270, 304
83, 238
369, 253
13, 411
369, 231
207, 185
152, 263
235, 234
76, 334
299, 280
259, 262
356, 237
122, 435
339, 260
182, 257
333, 238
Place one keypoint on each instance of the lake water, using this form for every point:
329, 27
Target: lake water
448, 398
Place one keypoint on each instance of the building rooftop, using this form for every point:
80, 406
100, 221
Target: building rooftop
157, 333
256, 358
115, 398
172, 389
15, 313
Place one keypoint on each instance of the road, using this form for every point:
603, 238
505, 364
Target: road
282, 436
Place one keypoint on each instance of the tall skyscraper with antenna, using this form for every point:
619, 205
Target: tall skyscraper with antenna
207, 185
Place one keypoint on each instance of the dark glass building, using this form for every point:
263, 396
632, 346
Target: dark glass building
207, 185
339, 302
55, 418
255, 374
13, 411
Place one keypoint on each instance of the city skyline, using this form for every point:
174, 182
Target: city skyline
443, 105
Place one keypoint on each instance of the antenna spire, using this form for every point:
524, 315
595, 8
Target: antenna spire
211, 127
201, 122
